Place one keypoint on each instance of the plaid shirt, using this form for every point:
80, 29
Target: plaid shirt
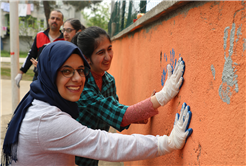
99, 109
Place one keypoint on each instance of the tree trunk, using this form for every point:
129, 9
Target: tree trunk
46, 11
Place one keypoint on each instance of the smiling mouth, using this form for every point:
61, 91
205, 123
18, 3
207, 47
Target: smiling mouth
106, 63
74, 88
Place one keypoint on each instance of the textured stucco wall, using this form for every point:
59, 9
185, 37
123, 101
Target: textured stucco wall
210, 36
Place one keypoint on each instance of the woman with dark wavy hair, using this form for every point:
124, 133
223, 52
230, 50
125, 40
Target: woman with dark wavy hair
99, 104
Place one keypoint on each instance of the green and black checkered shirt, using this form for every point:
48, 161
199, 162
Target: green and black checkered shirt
99, 109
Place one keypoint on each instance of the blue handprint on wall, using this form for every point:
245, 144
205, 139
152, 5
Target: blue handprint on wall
173, 62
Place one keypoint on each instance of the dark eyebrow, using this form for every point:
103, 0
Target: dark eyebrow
81, 66
103, 49
99, 51
66, 66
71, 67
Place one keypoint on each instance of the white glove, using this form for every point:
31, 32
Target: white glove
173, 83
179, 134
18, 79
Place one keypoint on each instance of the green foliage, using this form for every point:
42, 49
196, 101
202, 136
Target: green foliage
99, 16
49, 5
27, 21
30, 26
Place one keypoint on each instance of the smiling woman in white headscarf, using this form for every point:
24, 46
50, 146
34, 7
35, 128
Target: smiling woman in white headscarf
43, 130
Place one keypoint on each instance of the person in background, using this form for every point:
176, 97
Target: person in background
70, 27
99, 106
50, 35
44, 130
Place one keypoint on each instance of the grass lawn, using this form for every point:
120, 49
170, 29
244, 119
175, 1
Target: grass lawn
5, 67
6, 74
7, 54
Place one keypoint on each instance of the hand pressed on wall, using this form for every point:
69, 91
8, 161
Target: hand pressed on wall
173, 83
180, 127
179, 134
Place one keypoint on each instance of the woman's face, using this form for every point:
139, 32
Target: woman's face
68, 35
71, 88
102, 56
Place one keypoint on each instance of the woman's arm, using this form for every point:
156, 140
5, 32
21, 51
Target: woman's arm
59, 133
147, 108
140, 111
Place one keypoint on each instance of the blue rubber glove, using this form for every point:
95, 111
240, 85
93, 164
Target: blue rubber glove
184, 113
179, 134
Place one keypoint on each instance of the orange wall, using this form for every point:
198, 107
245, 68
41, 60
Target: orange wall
211, 39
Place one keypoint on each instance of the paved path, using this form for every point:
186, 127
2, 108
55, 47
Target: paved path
6, 103
6, 110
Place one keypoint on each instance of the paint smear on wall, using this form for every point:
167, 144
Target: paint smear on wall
229, 77
173, 62
213, 71
244, 45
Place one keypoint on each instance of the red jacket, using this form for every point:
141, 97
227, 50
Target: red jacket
39, 43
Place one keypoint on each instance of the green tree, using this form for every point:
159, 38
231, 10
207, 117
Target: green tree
50, 5
99, 16
29, 26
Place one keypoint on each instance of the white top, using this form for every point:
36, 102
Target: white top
49, 136
51, 39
